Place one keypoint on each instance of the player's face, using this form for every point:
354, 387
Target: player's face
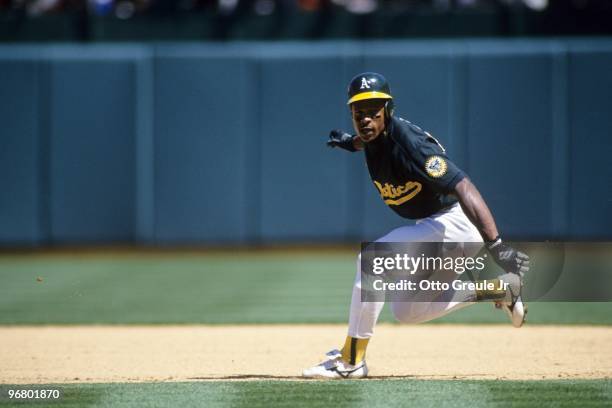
368, 118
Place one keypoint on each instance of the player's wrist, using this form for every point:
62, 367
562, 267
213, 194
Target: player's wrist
495, 242
349, 143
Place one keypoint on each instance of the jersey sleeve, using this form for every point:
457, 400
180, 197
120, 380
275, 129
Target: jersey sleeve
427, 158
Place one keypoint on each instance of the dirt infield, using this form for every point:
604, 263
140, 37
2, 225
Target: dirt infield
52, 354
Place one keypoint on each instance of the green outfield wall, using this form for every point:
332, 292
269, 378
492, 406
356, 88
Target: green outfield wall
224, 143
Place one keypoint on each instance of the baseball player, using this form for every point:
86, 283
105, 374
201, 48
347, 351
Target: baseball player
416, 179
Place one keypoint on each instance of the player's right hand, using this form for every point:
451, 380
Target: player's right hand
338, 138
508, 258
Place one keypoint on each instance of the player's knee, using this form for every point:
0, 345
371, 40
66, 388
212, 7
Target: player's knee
407, 312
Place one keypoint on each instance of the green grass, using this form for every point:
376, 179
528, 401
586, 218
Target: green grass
353, 394
249, 287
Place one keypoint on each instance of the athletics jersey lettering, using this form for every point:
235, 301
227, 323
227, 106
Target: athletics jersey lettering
405, 192
411, 170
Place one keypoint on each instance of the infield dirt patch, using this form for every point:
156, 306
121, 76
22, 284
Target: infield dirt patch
59, 354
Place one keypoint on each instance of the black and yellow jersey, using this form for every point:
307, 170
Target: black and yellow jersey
411, 170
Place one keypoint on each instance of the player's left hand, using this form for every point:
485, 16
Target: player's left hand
508, 258
338, 138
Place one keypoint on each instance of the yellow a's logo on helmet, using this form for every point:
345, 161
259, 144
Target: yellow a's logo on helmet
436, 166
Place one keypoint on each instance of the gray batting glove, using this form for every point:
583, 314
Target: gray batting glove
338, 138
509, 259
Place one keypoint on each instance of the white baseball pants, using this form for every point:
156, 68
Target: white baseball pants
450, 225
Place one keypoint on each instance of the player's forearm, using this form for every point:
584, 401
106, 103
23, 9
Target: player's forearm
357, 143
476, 209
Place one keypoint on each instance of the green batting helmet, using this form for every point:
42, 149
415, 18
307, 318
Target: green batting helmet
370, 85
